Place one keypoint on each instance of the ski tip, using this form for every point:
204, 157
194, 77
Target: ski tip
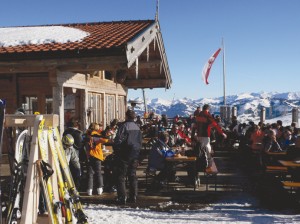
2, 102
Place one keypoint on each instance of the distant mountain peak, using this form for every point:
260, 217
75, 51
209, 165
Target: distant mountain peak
248, 105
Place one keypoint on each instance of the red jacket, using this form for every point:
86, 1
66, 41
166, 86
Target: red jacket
204, 123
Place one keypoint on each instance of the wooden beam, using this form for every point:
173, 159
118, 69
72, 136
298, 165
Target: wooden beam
12, 120
65, 64
152, 64
145, 83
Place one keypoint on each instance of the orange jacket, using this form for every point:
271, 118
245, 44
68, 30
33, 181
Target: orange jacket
96, 145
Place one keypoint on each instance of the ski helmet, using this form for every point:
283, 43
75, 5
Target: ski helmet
68, 140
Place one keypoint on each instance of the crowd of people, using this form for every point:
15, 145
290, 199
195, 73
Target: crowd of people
87, 149
197, 135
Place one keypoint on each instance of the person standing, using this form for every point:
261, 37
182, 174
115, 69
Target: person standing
202, 129
95, 158
73, 129
126, 146
72, 158
197, 111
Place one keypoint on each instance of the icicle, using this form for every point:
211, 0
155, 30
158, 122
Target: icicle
148, 53
136, 68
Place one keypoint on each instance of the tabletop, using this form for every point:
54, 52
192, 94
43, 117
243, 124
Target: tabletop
181, 159
282, 153
289, 163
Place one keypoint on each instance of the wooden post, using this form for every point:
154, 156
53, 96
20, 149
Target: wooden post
263, 115
32, 191
295, 115
234, 111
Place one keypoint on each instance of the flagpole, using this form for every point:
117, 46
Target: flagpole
224, 80
145, 102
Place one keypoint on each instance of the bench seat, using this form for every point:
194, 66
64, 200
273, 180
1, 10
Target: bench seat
276, 169
291, 184
211, 172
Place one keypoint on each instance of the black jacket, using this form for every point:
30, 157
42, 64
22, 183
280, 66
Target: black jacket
128, 141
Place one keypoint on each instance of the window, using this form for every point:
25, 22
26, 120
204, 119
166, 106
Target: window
108, 75
110, 109
95, 108
49, 105
30, 105
121, 108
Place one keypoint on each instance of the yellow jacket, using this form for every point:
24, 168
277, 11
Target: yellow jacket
96, 145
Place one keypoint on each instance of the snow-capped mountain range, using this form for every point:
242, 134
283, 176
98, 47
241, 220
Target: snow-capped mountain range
278, 105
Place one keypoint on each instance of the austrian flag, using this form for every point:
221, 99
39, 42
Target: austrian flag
207, 66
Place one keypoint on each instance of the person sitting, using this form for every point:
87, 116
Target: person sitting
173, 136
183, 138
287, 139
270, 142
156, 159
257, 139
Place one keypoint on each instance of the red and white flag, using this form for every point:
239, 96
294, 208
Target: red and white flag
207, 66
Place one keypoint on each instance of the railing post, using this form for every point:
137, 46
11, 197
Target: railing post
295, 115
233, 111
263, 115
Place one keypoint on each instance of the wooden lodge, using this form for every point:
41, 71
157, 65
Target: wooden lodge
86, 79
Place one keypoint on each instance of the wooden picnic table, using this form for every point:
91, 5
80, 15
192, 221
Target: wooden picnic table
289, 163
281, 153
176, 160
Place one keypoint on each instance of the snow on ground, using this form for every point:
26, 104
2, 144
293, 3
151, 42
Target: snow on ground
243, 210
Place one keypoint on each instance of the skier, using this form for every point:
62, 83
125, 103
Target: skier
127, 145
201, 131
95, 158
72, 158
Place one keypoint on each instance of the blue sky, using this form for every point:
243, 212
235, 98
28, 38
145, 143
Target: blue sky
261, 39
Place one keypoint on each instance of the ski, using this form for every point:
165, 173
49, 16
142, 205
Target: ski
19, 177
54, 206
45, 171
2, 117
18, 182
74, 195
63, 191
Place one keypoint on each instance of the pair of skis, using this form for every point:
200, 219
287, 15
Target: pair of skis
69, 197
2, 117
18, 168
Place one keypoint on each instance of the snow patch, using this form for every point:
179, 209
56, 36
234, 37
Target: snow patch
10, 37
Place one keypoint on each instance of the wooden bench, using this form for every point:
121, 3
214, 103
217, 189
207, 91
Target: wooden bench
276, 169
149, 173
279, 171
291, 185
211, 172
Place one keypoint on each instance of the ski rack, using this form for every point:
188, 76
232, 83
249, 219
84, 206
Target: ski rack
32, 186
